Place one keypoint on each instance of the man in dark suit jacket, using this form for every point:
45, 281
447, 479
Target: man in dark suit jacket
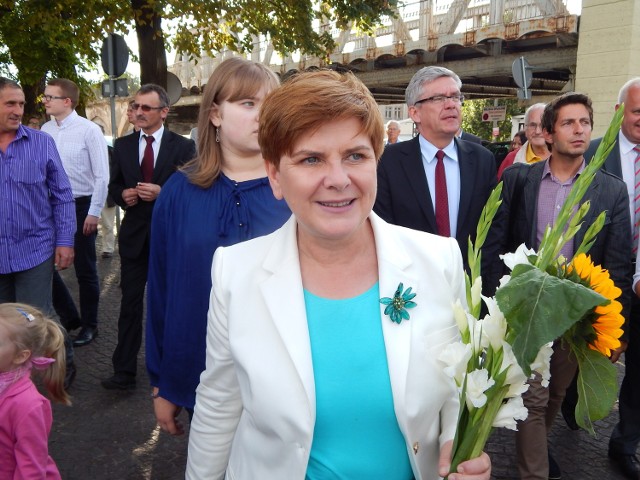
532, 195
142, 163
622, 163
407, 176
469, 137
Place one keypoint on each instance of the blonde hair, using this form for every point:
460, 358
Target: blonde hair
309, 100
232, 80
30, 330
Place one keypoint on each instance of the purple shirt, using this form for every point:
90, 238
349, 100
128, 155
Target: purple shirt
37, 212
551, 197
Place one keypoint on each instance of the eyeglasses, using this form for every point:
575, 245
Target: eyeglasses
48, 98
534, 126
441, 99
144, 108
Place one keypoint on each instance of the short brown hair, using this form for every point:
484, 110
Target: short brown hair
550, 114
69, 89
309, 100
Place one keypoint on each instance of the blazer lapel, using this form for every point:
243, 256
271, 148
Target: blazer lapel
393, 268
530, 201
290, 318
417, 179
132, 149
164, 158
613, 163
467, 167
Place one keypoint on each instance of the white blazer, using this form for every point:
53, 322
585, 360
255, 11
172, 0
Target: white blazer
255, 405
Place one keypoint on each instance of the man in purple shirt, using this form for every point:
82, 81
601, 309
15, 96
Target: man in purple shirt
532, 196
37, 213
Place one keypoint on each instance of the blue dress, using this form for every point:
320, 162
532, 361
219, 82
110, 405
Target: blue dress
188, 224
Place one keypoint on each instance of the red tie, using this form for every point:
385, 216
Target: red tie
442, 200
147, 160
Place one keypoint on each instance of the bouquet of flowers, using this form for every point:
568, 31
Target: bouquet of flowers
545, 297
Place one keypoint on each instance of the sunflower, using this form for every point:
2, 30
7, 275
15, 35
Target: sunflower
606, 320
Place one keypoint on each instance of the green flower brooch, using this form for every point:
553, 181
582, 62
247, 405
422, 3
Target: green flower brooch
397, 306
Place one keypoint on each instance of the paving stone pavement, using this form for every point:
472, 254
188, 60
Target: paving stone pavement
108, 435
111, 434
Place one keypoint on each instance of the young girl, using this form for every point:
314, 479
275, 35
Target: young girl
28, 340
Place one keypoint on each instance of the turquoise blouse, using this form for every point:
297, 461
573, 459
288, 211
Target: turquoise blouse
356, 433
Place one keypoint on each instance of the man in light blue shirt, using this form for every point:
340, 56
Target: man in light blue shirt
83, 150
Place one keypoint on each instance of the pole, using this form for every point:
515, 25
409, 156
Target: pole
524, 78
111, 52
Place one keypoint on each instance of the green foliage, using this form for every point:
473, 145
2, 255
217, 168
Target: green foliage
472, 118
290, 25
533, 294
597, 386
41, 39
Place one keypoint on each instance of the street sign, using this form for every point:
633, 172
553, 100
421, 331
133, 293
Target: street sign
174, 88
524, 94
494, 114
521, 71
114, 55
121, 88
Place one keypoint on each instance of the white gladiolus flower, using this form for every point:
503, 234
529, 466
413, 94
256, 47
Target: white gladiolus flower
460, 314
518, 257
510, 413
476, 290
475, 337
494, 325
516, 379
542, 361
456, 356
478, 382
504, 280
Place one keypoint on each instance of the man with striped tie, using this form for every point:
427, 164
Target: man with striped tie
624, 161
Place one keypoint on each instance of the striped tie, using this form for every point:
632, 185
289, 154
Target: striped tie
636, 202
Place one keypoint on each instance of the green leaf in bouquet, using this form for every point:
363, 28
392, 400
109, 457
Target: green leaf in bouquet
597, 387
540, 308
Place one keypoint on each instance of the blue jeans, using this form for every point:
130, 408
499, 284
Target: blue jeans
33, 287
84, 263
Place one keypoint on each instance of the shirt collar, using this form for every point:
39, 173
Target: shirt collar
546, 170
429, 150
68, 120
157, 135
625, 144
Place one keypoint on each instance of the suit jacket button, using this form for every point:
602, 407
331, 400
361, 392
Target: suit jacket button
416, 446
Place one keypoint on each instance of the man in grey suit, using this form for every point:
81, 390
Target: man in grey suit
532, 196
142, 163
624, 161
411, 177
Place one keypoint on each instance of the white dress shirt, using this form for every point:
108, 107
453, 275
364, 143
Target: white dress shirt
142, 144
627, 165
452, 172
85, 157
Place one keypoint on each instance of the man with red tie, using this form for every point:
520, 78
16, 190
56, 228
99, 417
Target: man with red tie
436, 182
142, 163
